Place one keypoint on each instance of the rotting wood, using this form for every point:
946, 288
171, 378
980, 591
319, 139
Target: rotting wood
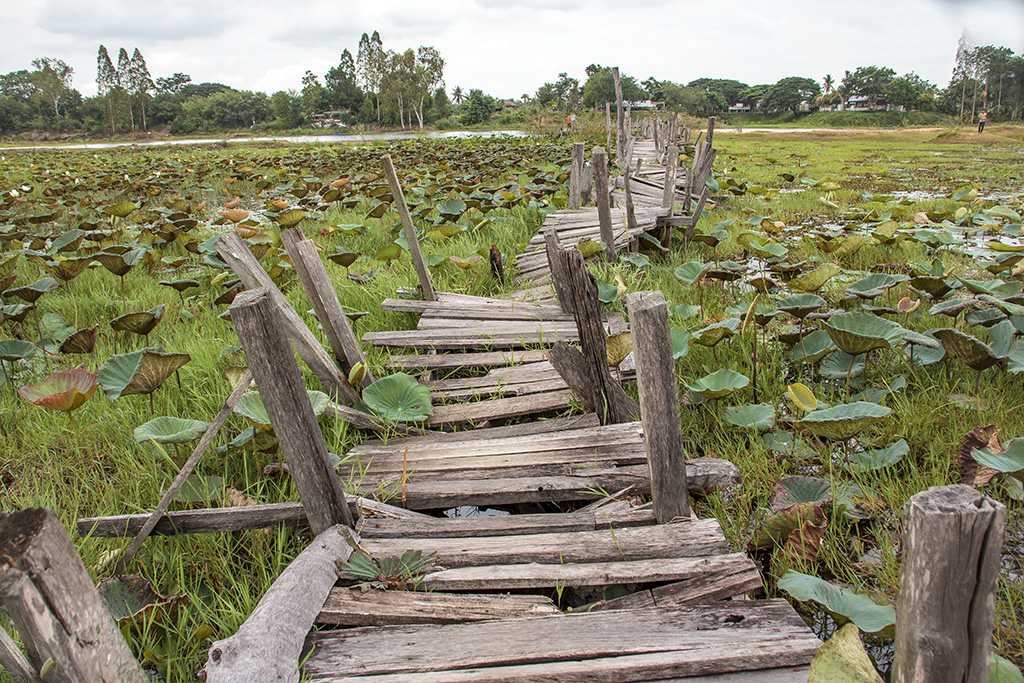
14, 661
576, 175
329, 311
355, 607
186, 471
631, 224
411, 236
572, 367
452, 361
515, 406
620, 120
559, 280
47, 591
373, 423
258, 325
604, 215
953, 536
268, 645
234, 252
503, 525
659, 403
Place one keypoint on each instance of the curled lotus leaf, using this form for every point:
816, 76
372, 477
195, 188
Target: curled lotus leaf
180, 285
879, 458
843, 421
80, 341
856, 332
122, 210
344, 258
713, 334
250, 406
32, 292
234, 215
874, 285
67, 269
16, 349
139, 372
132, 600
618, 347
292, 217
169, 429
973, 352
813, 348
953, 307
859, 609
141, 322
120, 264
933, 286
800, 305
688, 273
719, 384
64, 391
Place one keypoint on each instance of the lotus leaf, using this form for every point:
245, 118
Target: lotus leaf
1007, 307
681, 343
67, 269
589, 248
685, 311
80, 341
200, 489
32, 292
802, 397
994, 287
874, 285
1003, 670
856, 332
813, 348
398, 398
973, 352
713, 334
799, 489
618, 347
785, 443
843, 659
1002, 339
719, 384
800, 305
16, 349
292, 217
180, 285
344, 258
688, 273
64, 391
141, 323
859, 609
1010, 460
843, 421
814, 280
168, 429
451, 209
250, 406
120, 264
759, 416
140, 372
879, 458
133, 600
726, 271
122, 210
777, 527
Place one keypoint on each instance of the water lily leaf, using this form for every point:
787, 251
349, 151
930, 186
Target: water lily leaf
715, 333
688, 273
1001, 336
80, 341
168, 429
291, 218
132, 599
813, 347
681, 344
874, 285
973, 352
814, 280
794, 490
201, 489
120, 264
141, 323
465, 263
855, 332
64, 391
841, 365
618, 346
802, 397
16, 349
879, 458
451, 209
344, 258
388, 253
398, 398
180, 285
843, 659
800, 305
122, 210
759, 416
32, 292
250, 406
140, 372
843, 421
719, 384
859, 609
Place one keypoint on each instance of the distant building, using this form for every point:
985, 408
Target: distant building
865, 103
330, 119
740, 107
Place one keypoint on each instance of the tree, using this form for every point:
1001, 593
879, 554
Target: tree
828, 82
754, 95
428, 75
593, 69
478, 108
340, 82
173, 84
139, 82
53, 78
371, 65
789, 93
653, 88
287, 108
909, 91
600, 88
107, 83
124, 64
457, 95
729, 89
312, 94
868, 81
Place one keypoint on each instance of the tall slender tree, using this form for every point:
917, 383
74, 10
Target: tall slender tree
140, 83
106, 83
124, 67
53, 78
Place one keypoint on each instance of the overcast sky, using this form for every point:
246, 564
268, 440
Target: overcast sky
510, 47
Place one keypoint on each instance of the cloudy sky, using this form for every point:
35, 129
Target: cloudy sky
511, 47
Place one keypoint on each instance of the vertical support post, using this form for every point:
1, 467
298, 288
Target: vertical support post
709, 138
604, 214
284, 395
426, 285
631, 225
659, 404
952, 541
576, 175
655, 127
668, 197
686, 135
608, 123
47, 591
559, 279
329, 312
14, 662
620, 123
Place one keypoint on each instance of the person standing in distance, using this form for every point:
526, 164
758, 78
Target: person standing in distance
982, 120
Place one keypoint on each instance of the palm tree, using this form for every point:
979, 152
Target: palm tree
457, 95
828, 83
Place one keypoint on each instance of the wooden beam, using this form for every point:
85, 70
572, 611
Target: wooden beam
268, 645
234, 252
426, 284
576, 175
604, 215
284, 395
620, 123
52, 601
329, 311
14, 662
356, 607
659, 403
558, 277
952, 544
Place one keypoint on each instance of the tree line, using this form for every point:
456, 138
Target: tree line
406, 88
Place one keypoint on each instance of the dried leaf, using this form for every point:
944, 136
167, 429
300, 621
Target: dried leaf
974, 474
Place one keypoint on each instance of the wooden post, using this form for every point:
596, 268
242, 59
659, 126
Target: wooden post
587, 373
426, 285
655, 131
576, 175
604, 215
268, 645
620, 122
559, 280
329, 311
631, 225
587, 188
234, 252
47, 591
284, 395
608, 123
659, 403
709, 138
668, 198
952, 540
14, 662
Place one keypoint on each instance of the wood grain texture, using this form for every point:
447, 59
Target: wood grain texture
355, 607
604, 216
409, 230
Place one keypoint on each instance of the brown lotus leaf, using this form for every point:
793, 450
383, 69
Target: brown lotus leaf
339, 183
246, 230
233, 498
972, 473
803, 543
908, 305
233, 203
235, 215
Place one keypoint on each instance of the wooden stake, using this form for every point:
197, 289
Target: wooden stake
952, 542
659, 403
608, 123
329, 311
604, 215
284, 396
631, 225
426, 285
576, 175
559, 279
620, 122
14, 662
668, 198
47, 591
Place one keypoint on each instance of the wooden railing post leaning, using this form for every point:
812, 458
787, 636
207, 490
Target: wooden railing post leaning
952, 544
329, 311
52, 601
659, 404
620, 120
576, 175
257, 323
604, 214
426, 284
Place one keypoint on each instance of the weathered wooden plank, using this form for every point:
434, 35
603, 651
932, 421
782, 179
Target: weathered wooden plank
496, 328
14, 662
258, 325
500, 390
451, 361
548, 426
630, 544
355, 607
409, 230
500, 408
501, 525
451, 340
625, 645
512, 311
267, 646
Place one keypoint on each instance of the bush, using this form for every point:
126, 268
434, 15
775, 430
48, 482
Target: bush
448, 123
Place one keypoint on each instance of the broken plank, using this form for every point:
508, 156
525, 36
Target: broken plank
451, 361
501, 525
356, 607
558, 424
500, 408
450, 340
